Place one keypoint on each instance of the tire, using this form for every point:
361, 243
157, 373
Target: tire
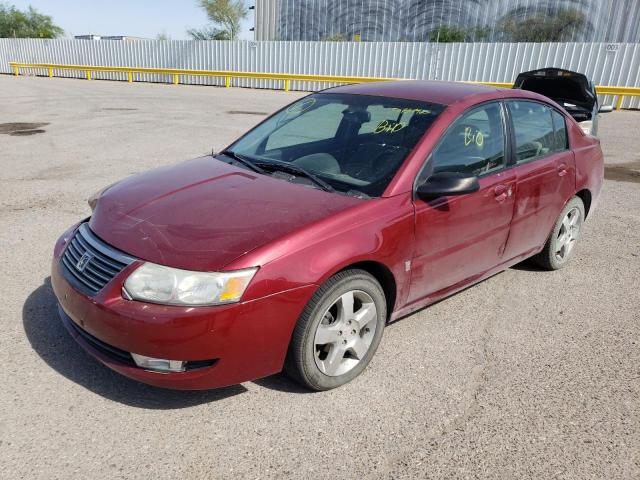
560, 245
331, 343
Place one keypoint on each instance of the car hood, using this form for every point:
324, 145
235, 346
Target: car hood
570, 89
203, 214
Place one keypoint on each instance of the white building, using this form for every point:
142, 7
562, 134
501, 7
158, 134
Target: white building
415, 20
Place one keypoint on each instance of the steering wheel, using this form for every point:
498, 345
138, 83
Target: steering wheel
382, 164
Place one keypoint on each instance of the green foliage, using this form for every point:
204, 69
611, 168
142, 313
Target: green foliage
163, 37
338, 37
447, 34
208, 33
16, 23
542, 27
479, 34
225, 17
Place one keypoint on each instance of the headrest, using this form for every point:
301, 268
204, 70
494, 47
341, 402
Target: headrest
357, 116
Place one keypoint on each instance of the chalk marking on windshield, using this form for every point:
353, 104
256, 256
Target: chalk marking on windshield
387, 126
415, 111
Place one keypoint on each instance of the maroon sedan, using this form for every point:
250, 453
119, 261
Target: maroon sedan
295, 246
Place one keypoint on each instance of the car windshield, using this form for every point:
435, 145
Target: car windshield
353, 143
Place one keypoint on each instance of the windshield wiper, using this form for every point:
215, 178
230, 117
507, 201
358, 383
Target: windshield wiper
241, 159
295, 169
356, 193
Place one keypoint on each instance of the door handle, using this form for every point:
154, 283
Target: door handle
562, 169
501, 192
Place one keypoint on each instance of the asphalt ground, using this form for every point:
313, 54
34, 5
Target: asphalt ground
529, 374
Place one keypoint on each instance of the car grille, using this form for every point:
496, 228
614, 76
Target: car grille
89, 264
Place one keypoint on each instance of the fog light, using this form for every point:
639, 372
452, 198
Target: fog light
160, 365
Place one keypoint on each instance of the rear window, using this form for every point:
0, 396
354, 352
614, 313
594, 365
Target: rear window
533, 128
539, 130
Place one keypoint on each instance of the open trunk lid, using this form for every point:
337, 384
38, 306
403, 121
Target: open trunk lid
570, 89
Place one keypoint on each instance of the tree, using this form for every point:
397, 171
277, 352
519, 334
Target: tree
208, 33
225, 17
558, 26
447, 34
16, 23
478, 34
163, 37
338, 37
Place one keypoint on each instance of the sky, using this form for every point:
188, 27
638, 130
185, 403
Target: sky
137, 18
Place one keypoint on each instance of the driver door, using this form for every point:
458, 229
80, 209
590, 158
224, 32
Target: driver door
459, 238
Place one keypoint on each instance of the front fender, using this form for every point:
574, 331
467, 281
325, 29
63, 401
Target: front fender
379, 230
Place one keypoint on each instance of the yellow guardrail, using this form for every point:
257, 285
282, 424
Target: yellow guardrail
286, 78
619, 92
494, 84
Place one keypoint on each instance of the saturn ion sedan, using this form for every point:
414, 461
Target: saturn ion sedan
292, 248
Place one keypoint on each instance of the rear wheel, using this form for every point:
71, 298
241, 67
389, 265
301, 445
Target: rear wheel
338, 332
561, 243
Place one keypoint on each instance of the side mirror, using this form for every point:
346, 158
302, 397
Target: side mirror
447, 183
606, 109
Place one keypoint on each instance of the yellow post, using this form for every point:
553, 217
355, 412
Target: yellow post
129, 77
227, 82
176, 79
286, 85
50, 72
619, 102
88, 74
17, 70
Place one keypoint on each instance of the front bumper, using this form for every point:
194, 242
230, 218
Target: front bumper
238, 342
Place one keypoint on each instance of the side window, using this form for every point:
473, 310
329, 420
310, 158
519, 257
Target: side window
473, 144
533, 129
318, 124
559, 132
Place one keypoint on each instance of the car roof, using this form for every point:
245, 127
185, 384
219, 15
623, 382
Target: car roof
432, 91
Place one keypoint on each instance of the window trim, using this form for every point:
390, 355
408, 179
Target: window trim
505, 136
514, 149
566, 130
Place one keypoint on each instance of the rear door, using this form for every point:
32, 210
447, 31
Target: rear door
545, 172
458, 238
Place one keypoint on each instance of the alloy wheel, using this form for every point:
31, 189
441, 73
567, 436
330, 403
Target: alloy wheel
568, 234
346, 331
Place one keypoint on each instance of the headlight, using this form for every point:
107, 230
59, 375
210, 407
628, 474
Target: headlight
159, 284
586, 126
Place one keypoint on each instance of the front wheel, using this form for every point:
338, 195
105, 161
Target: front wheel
561, 243
338, 332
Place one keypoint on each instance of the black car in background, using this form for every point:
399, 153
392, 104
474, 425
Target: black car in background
572, 90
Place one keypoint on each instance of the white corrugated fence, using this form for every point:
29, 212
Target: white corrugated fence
606, 64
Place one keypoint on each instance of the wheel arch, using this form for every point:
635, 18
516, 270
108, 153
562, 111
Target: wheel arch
586, 197
383, 275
